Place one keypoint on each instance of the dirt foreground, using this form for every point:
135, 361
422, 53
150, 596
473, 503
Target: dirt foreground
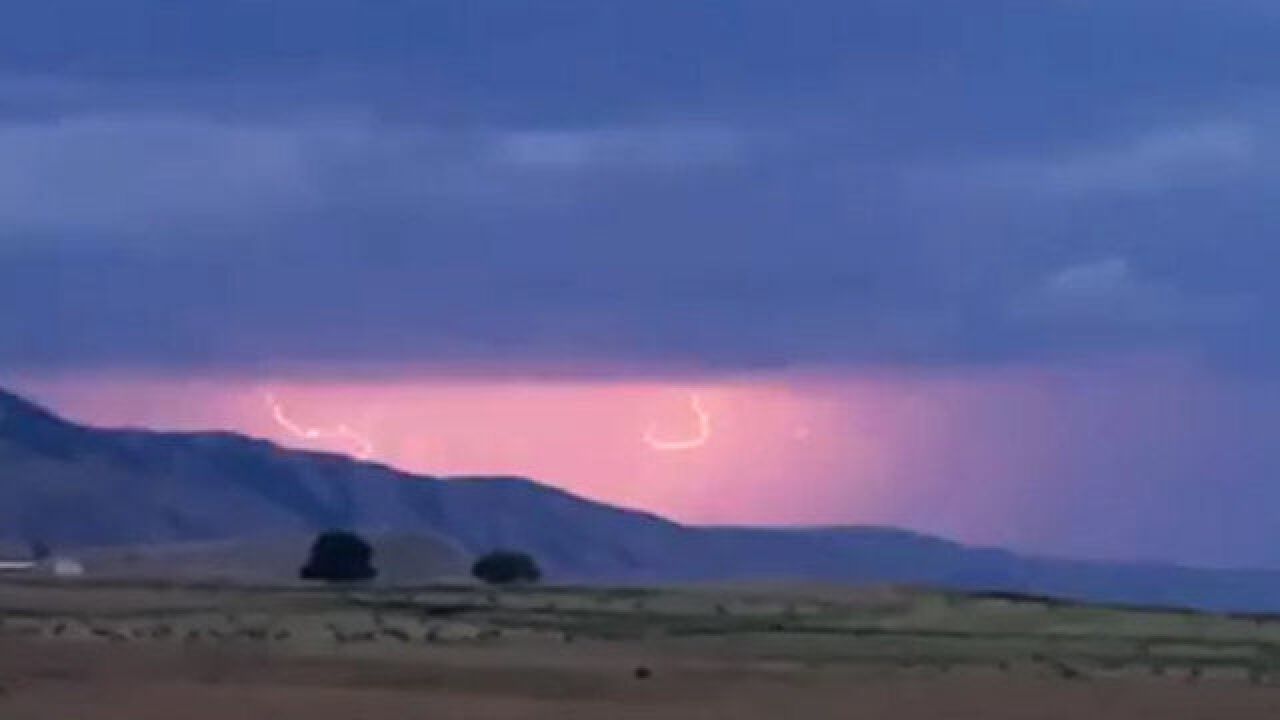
122, 652
45, 681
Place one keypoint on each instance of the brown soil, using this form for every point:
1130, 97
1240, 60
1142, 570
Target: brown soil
45, 680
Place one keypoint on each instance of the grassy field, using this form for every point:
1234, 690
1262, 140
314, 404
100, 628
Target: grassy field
154, 650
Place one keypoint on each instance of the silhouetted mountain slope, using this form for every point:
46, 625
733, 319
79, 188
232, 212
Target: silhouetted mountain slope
74, 486
70, 485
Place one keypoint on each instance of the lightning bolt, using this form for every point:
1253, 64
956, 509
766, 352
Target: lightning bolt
704, 432
364, 447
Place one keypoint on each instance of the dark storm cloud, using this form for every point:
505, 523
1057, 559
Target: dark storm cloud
637, 185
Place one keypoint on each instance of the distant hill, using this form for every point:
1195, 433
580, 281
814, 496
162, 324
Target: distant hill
69, 485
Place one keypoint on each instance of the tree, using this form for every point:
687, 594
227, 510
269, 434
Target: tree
40, 550
503, 567
337, 557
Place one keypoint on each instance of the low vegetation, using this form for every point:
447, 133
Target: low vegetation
893, 628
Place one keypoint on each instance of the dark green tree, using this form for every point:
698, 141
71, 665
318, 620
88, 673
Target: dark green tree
339, 557
503, 567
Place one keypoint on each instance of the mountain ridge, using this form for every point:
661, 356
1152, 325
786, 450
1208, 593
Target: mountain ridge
72, 485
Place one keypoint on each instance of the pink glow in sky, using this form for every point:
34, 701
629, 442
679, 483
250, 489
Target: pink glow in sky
632, 443
1019, 458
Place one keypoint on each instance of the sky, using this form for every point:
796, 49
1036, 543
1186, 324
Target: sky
1000, 270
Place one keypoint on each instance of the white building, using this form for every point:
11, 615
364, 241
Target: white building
64, 567
55, 566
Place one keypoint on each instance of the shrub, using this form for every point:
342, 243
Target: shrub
504, 567
339, 557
